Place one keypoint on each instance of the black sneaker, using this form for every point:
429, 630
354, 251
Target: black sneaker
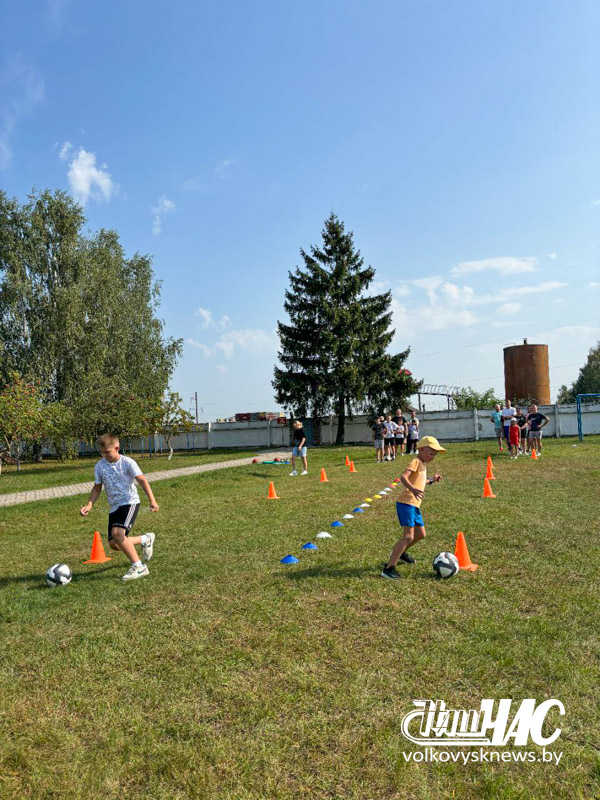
408, 559
390, 572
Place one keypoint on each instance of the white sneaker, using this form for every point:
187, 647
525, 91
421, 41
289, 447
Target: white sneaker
304, 472
148, 548
293, 473
135, 572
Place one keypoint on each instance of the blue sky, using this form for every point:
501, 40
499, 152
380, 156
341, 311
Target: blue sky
457, 139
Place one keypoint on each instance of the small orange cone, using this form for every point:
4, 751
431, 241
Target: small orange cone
352, 469
462, 553
272, 493
98, 555
533, 454
489, 473
324, 478
347, 464
487, 489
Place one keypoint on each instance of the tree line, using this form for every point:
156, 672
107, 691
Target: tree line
82, 350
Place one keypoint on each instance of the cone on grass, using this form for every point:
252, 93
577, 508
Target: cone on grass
487, 489
352, 468
347, 463
462, 554
533, 454
489, 473
272, 493
324, 478
98, 555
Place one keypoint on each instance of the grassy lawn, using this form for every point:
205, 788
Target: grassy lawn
55, 473
227, 675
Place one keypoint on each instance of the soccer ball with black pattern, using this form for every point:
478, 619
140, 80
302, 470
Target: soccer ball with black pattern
59, 575
445, 565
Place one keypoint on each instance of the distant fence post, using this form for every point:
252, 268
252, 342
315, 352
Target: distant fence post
557, 432
209, 435
476, 424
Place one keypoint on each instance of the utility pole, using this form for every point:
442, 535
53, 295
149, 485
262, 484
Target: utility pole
196, 397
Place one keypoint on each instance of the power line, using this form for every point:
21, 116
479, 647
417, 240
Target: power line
503, 338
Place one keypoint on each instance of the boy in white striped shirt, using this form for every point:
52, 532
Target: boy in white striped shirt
117, 474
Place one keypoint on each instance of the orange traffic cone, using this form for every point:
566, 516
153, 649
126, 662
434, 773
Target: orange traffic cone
98, 555
352, 469
489, 473
462, 553
272, 493
324, 478
487, 489
347, 464
533, 454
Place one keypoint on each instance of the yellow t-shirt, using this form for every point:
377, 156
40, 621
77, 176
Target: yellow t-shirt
418, 478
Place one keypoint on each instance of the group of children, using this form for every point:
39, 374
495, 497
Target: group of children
522, 432
394, 434
118, 474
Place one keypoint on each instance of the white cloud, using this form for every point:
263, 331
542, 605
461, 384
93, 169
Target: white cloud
85, 178
251, 340
595, 203
200, 346
553, 256
222, 168
21, 90
506, 265
206, 317
208, 321
226, 348
545, 286
161, 209
508, 308
64, 151
594, 285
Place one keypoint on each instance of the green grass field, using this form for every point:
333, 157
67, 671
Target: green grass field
227, 675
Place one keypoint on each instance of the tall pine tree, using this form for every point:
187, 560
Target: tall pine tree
333, 351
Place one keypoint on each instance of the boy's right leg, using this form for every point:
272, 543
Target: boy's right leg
293, 472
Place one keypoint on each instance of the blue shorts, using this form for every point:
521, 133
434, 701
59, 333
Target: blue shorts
299, 452
409, 516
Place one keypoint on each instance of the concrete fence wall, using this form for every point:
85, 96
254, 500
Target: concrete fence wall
447, 426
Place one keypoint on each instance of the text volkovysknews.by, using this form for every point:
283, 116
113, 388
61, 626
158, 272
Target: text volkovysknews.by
481, 756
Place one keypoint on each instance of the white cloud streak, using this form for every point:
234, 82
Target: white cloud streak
205, 349
506, 265
160, 210
21, 90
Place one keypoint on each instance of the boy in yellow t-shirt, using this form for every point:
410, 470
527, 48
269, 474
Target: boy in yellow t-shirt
408, 506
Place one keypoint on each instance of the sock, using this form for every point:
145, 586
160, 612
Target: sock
144, 539
137, 564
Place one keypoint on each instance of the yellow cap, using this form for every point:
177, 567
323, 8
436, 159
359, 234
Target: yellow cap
430, 441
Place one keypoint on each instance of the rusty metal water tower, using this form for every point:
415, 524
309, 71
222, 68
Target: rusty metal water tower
526, 373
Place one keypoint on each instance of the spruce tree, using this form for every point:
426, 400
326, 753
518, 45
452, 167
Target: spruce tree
333, 351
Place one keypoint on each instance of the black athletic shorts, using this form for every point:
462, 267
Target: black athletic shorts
399, 440
122, 517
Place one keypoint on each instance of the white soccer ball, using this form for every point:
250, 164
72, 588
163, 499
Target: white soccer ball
445, 565
59, 575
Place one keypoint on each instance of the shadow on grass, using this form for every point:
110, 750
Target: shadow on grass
41, 581
330, 572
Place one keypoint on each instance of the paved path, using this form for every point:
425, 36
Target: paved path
85, 488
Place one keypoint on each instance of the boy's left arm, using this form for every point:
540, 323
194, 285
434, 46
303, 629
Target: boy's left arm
143, 482
435, 479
